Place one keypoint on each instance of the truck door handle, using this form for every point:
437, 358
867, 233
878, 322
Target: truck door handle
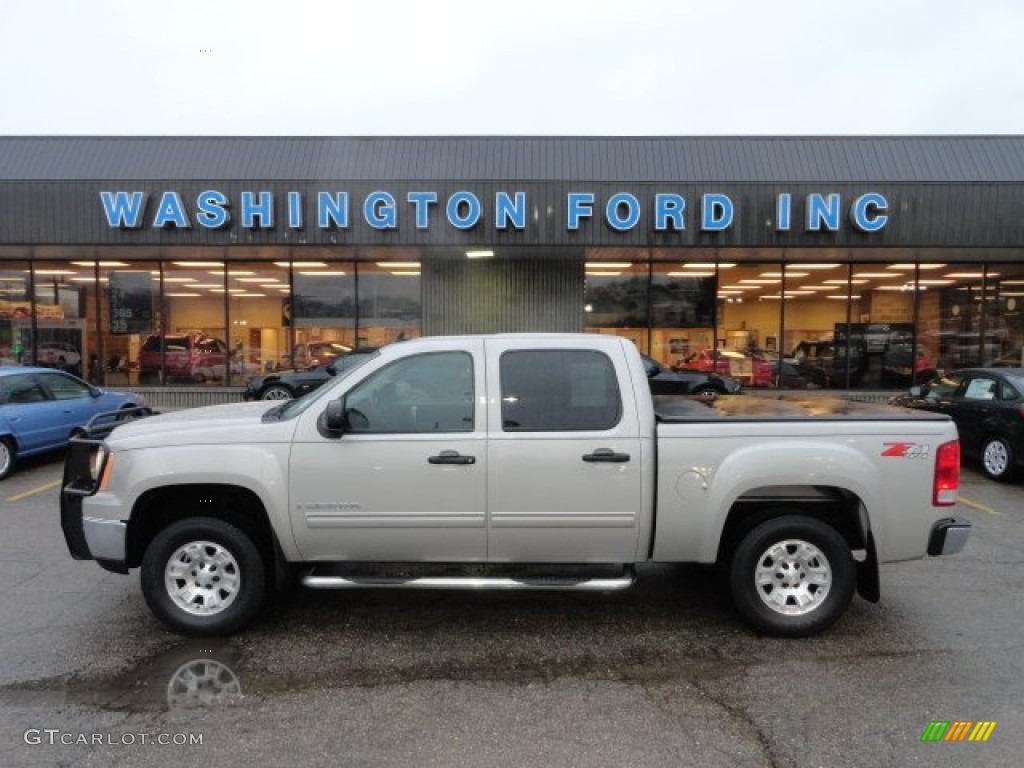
606, 454
451, 457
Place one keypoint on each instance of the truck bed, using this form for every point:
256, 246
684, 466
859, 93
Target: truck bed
672, 409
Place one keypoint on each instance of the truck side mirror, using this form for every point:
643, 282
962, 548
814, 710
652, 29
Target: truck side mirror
332, 422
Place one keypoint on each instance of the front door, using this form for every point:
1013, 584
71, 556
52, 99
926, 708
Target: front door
407, 481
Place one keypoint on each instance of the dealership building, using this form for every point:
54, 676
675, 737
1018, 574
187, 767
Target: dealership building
879, 260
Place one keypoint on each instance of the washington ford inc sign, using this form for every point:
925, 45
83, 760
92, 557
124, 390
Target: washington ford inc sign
464, 210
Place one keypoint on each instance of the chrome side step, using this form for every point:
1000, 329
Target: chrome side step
553, 583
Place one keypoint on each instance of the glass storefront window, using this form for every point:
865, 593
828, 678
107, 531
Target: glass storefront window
129, 293
189, 344
615, 300
323, 312
748, 341
1005, 310
64, 317
390, 305
682, 311
260, 313
15, 314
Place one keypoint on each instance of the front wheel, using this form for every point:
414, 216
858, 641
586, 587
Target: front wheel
277, 392
997, 458
202, 576
792, 576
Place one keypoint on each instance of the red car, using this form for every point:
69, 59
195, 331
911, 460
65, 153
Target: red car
191, 357
751, 370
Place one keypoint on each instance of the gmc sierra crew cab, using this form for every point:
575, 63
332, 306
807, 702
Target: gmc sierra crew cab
512, 462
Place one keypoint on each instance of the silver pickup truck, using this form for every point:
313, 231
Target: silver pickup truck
512, 462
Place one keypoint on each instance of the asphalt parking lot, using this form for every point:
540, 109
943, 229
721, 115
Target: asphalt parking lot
665, 674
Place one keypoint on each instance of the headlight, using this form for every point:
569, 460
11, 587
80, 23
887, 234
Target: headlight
97, 462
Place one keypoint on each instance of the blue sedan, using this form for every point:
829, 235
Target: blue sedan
41, 409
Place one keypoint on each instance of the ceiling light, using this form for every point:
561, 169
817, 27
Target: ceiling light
760, 282
815, 266
195, 264
179, 279
844, 282
322, 274
399, 264
874, 274
406, 273
935, 282
844, 298
602, 273
307, 264
479, 254
56, 272
102, 263
254, 279
182, 295
969, 275
691, 274
609, 264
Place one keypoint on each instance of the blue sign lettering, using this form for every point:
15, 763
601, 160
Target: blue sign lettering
294, 210
124, 209
508, 210
716, 212
170, 212
332, 210
464, 201
212, 213
613, 211
783, 212
868, 212
421, 202
581, 206
262, 210
668, 212
822, 210
379, 210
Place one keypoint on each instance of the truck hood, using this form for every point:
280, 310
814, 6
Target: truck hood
232, 423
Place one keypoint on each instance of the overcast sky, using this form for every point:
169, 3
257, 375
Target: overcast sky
588, 67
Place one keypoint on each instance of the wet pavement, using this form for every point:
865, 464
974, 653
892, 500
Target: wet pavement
664, 674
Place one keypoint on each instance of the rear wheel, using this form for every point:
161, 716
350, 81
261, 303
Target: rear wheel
7, 456
997, 460
203, 576
792, 576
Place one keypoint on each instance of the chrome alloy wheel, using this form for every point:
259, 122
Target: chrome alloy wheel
995, 458
202, 578
793, 577
277, 393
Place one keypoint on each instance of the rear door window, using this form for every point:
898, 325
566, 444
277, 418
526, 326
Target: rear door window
554, 390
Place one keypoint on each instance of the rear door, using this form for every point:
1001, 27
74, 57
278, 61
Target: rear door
563, 454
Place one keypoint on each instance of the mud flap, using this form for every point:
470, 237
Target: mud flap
868, 582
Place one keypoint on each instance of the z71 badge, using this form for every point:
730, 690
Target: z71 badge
907, 450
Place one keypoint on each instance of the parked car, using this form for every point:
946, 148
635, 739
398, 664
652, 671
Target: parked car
901, 366
192, 357
284, 385
826, 363
665, 381
317, 353
40, 410
987, 405
749, 369
56, 354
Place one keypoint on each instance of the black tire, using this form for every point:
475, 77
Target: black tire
277, 392
997, 459
815, 558
8, 455
217, 548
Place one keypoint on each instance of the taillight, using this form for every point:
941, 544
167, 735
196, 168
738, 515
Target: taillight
946, 483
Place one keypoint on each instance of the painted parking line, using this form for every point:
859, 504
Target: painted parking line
34, 491
979, 507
